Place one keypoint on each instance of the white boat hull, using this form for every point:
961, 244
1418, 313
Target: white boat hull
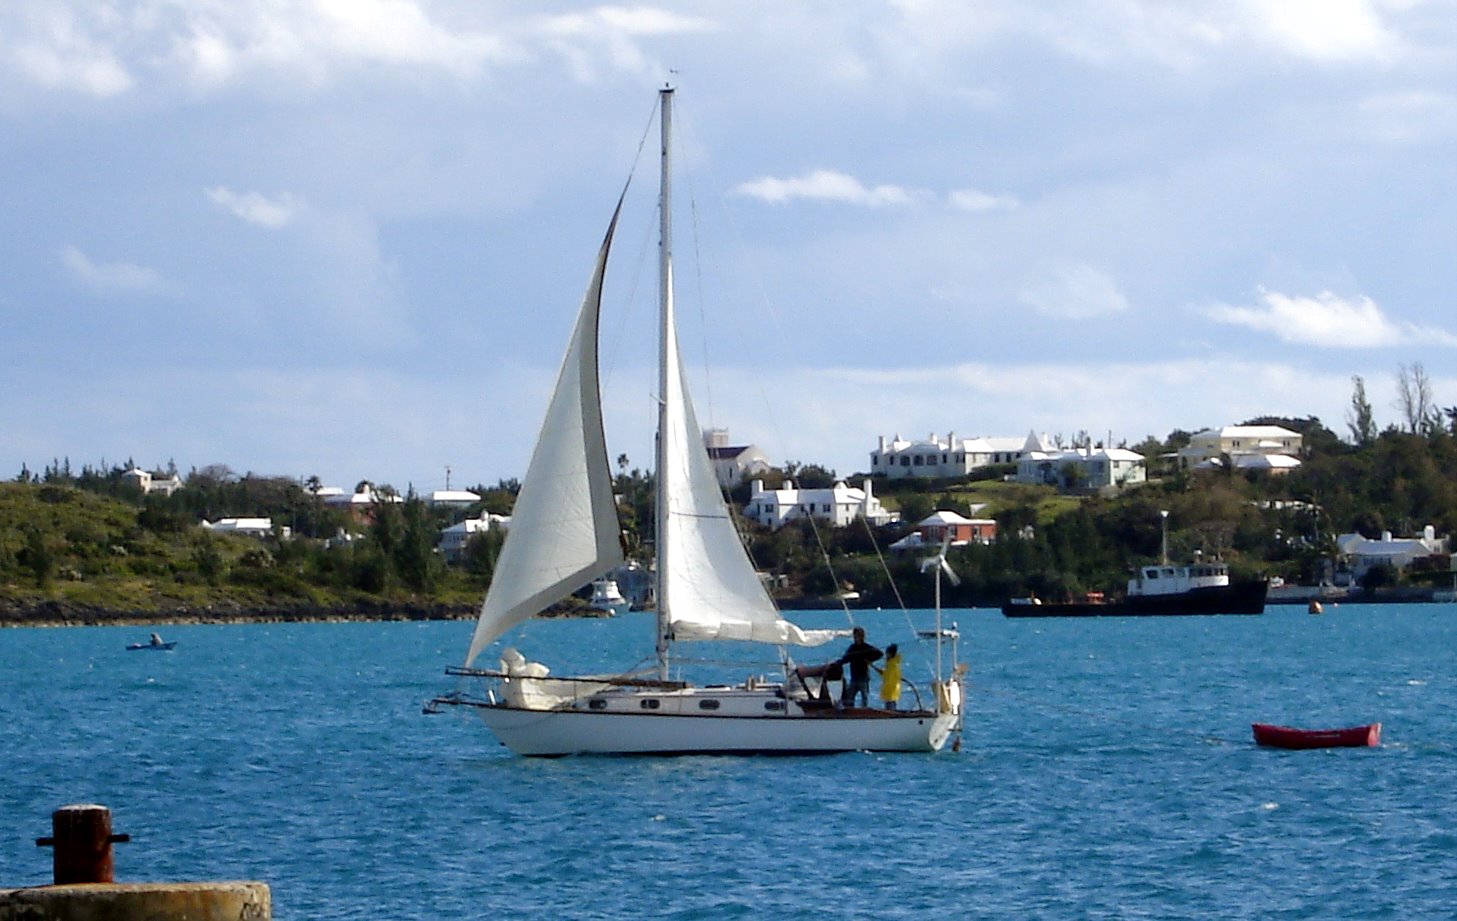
571, 732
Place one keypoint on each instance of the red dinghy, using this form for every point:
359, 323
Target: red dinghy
1288, 737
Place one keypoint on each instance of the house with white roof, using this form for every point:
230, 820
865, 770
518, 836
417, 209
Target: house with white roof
1091, 468
452, 498
454, 538
839, 505
732, 464
949, 457
1362, 553
248, 527
932, 530
148, 483
360, 504
1249, 447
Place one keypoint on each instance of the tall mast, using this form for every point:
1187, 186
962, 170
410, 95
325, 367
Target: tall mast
665, 329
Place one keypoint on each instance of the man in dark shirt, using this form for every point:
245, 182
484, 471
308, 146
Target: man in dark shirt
858, 657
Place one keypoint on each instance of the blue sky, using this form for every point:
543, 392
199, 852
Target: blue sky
347, 238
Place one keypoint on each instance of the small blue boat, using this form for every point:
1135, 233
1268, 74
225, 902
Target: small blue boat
154, 643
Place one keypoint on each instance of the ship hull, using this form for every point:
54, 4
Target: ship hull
575, 732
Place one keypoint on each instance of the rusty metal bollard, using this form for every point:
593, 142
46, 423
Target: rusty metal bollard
82, 838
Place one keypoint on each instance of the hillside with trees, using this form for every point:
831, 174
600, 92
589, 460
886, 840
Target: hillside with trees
87, 547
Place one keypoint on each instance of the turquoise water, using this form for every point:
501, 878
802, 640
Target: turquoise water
1107, 772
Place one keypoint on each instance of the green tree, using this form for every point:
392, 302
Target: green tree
38, 557
414, 552
208, 560
1359, 417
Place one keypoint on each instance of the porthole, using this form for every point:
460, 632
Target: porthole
708, 704
597, 703
773, 705
650, 703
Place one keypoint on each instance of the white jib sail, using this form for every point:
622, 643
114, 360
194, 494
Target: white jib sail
564, 528
712, 590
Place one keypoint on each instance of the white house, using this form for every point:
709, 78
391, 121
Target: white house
949, 456
1362, 553
1245, 445
733, 463
1094, 468
248, 527
360, 504
839, 505
454, 538
148, 484
452, 498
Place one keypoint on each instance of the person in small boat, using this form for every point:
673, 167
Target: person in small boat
858, 657
156, 640
890, 678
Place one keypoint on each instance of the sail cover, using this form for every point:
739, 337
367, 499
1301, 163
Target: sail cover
564, 528
707, 581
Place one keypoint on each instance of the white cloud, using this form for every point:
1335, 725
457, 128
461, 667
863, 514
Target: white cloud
206, 44
256, 208
639, 20
50, 47
307, 44
1075, 292
1409, 116
1333, 31
608, 38
322, 39
976, 200
111, 277
828, 185
1179, 37
1328, 321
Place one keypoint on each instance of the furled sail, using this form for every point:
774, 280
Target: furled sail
564, 528
707, 581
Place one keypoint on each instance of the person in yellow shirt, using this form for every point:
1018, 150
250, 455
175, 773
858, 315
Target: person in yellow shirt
890, 678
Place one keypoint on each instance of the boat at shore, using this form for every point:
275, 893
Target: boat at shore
565, 533
607, 597
1158, 591
1368, 736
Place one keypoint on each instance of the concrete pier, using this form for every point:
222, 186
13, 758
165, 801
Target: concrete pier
217, 901
84, 890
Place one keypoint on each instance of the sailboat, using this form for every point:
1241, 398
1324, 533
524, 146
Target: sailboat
564, 533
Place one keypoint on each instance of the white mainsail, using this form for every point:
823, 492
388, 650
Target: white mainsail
564, 527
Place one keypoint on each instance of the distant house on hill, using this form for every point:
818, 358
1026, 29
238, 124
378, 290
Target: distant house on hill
839, 505
1087, 468
248, 527
1269, 448
359, 504
733, 463
148, 483
936, 457
452, 498
932, 530
1362, 553
454, 538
